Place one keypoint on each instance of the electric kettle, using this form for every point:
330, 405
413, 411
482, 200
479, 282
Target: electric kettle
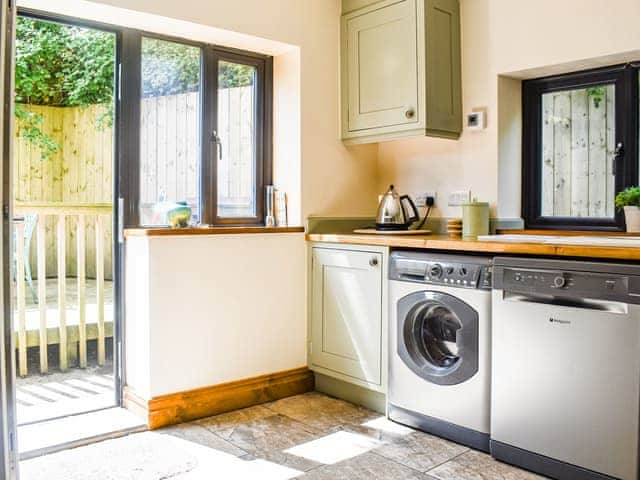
392, 214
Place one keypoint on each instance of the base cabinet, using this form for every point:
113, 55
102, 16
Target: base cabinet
346, 315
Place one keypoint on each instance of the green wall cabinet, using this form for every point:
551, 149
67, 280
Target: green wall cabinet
400, 68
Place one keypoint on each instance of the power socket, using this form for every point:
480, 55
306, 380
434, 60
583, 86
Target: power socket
459, 197
420, 199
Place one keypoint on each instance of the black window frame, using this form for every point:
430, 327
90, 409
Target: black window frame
625, 79
263, 111
119, 153
207, 181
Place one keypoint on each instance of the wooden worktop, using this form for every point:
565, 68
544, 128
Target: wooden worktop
444, 242
174, 232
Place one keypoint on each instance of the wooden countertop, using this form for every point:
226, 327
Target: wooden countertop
167, 232
444, 242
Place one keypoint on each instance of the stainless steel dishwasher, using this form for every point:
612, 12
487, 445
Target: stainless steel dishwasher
566, 367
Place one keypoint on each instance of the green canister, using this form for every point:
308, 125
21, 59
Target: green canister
475, 219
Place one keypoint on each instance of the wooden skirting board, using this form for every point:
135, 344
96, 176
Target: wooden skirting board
203, 402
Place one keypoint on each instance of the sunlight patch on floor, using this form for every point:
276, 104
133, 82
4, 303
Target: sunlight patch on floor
43, 436
383, 424
225, 465
334, 448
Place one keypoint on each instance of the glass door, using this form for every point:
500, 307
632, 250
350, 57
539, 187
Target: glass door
65, 258
8, 454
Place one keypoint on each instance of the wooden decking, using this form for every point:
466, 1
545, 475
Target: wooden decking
42, 397
72, 316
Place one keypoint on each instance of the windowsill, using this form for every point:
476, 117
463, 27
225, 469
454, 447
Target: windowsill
167, 231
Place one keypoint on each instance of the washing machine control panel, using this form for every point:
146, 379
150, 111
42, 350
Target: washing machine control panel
459, 275
452, 270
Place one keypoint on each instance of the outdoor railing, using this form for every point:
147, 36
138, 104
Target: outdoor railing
61, 212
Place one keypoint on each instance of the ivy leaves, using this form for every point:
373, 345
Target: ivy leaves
170, 68
61, 65
30, 124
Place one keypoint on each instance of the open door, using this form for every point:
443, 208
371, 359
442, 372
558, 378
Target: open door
8, 454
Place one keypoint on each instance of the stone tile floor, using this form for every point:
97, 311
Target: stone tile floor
309, 436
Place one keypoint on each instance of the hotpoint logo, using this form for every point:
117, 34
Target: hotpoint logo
559, 321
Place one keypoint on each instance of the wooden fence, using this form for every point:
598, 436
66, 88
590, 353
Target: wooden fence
68, 337
170, 149
81, 170
578, 138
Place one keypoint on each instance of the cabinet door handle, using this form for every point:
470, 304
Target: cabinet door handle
373, 261
409, 113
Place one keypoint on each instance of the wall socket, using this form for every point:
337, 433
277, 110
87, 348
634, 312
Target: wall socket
459, 197
420, 199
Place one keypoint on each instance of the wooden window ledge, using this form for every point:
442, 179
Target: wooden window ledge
167, 231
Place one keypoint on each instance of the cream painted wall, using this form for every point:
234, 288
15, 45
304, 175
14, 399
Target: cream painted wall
202, 313
504, 41
544, 33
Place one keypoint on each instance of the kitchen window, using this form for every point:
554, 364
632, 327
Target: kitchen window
202, 127
580, 147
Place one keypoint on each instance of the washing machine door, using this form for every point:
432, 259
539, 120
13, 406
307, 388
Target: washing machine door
438, 337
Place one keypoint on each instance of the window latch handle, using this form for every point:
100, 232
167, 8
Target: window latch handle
216, 139
617, 154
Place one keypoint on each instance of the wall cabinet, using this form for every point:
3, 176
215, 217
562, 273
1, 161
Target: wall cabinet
400, 67
347, 314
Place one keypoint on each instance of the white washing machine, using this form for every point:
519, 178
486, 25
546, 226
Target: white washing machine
439, 350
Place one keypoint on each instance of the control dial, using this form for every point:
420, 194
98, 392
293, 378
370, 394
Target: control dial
462, 271
435, 270
559, 281
448, 270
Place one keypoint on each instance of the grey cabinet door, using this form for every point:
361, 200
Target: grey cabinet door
346, 313
380, 46
443, 70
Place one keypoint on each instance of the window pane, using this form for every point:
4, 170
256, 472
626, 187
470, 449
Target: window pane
578, 143
170, 130
236, 132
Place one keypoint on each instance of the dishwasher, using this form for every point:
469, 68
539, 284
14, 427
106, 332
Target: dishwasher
566, 367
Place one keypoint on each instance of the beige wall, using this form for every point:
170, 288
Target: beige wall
203, 316
543, 33
502, 39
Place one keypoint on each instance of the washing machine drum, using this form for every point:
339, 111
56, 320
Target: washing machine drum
438, 337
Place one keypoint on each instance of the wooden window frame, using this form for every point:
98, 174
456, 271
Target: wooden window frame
625, 79
207, 181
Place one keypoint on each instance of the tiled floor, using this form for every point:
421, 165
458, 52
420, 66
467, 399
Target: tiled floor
308, 436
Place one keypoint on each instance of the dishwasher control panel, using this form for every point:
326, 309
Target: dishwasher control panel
564, 282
